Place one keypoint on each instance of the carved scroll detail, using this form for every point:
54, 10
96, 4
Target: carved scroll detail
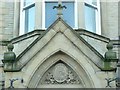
61, 74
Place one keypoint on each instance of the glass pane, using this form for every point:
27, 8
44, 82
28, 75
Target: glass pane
68, 13
51, 14
30, 19
28, 2
90, 18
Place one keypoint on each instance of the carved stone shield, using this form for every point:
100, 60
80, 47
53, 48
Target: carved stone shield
60, 72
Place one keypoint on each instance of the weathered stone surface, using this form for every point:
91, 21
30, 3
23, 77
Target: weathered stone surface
109, 19
100, 46
60, 43
55, 46
24, 44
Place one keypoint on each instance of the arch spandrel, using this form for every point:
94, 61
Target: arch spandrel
73, 65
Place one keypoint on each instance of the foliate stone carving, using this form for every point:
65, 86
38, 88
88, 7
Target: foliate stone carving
61, 74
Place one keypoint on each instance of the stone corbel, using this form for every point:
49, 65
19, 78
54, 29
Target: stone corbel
9, 61
111, 60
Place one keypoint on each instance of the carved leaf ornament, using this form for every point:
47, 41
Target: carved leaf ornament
61, 74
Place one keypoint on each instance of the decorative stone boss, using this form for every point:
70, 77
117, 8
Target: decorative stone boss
110, 58
9, 58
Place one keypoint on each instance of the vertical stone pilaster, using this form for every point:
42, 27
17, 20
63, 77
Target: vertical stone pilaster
38, 15
16, 18
81, 14
109, 19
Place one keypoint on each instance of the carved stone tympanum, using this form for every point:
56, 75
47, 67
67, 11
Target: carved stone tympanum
60, 74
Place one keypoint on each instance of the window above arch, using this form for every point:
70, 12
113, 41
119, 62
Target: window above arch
92, 16
30, 16
27, 19
51, 14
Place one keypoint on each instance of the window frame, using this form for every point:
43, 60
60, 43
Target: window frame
98, 19
23, 19
42, 15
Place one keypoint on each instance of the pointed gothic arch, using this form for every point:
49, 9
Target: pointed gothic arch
84, 76
60, 75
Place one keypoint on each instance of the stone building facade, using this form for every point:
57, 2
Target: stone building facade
60, 55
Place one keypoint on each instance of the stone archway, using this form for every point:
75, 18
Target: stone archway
68, 62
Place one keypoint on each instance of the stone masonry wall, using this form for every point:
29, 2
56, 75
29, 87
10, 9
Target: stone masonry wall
6, 30
109, 19
6, 24
6, 20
